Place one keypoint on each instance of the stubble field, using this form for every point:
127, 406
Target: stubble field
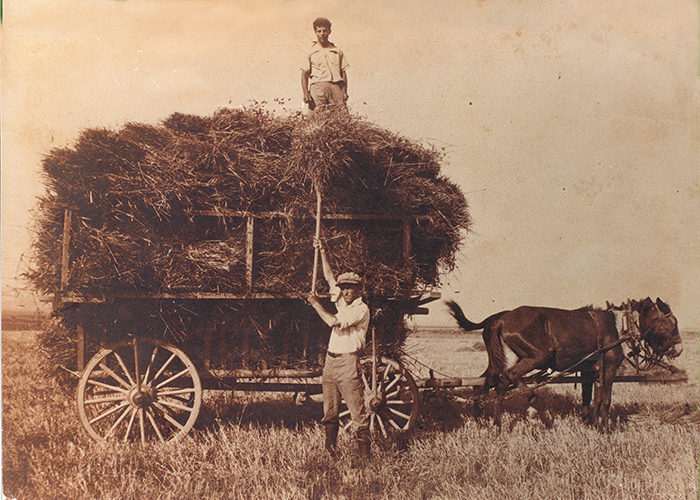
263, 446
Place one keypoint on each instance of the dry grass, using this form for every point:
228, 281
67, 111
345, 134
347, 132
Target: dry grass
265, 447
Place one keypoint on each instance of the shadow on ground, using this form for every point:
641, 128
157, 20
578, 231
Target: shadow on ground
441, 411
260, 409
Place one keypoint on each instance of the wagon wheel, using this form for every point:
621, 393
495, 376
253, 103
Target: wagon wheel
394, 406
143, 390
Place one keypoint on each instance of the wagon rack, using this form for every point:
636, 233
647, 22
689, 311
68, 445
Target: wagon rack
149, 389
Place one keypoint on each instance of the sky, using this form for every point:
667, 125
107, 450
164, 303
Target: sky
573, 127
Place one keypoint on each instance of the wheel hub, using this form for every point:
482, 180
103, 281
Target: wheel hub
143, 398
373, 401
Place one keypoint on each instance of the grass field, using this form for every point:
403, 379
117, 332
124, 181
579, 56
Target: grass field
263, 446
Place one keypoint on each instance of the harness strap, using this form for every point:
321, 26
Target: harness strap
571, 368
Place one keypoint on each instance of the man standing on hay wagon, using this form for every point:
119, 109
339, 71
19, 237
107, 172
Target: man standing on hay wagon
324, 81
341, 373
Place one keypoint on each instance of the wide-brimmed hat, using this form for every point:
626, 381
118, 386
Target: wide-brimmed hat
348, 279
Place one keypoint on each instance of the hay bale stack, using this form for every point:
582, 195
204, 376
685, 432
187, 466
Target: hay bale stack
154, 206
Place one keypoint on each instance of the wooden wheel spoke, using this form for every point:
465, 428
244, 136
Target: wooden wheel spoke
365, 382
155, 426
114, 375
109, 412
110, 399
142, 427
392, 395
162, 368
112, 388
150, 365
119, 420
392, 383
399, 402
387, 370
174, 405
381, 426
394, 424
123, 365
129, 426
176, 392
168, 417
174, 377
398, 413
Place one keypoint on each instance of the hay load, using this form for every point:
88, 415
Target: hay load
164, 208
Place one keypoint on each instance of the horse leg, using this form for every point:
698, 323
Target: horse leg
598, 376
611, 362
530, 358
505, 382
478, 408
498, 405
480, 393
587, 379
603, 396
533, 346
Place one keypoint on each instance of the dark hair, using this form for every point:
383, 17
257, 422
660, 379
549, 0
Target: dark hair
322, 21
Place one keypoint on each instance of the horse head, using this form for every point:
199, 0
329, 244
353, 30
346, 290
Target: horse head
659, 327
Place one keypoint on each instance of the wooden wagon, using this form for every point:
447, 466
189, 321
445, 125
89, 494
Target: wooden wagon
137, 386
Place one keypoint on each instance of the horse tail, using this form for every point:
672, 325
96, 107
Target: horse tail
462, 320
467, 325
493, 338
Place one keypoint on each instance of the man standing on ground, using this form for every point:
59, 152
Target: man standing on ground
324, 80
341, 373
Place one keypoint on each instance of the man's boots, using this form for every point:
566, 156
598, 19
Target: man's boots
331, 436
364, 445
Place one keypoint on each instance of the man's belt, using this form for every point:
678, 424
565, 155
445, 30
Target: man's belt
337, 355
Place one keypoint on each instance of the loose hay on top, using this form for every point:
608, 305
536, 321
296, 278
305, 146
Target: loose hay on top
143, 198
162, 209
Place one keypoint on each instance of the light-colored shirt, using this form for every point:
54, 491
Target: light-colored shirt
325, 64
350, 335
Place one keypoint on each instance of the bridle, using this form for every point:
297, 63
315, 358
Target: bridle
642, 355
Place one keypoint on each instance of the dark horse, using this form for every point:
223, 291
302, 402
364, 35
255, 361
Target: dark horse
544, 338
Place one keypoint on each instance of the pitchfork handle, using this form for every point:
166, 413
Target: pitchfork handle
318, 239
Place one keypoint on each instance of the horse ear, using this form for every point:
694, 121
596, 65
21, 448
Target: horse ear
663, 307
644, 305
